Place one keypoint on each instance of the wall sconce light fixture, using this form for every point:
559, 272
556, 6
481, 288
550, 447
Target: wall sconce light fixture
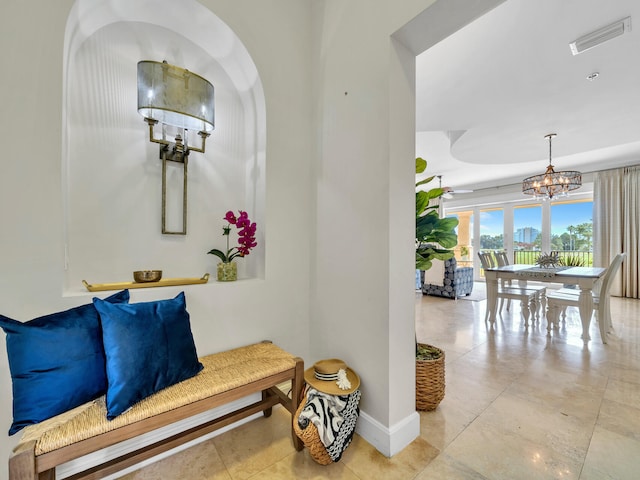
178, 98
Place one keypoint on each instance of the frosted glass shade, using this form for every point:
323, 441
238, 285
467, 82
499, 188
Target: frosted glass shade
175, 96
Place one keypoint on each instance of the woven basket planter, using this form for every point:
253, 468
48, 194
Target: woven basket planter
429, 382
310, 438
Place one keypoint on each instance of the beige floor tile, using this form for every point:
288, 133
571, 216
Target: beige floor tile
624, 352
588, 365
563, 433
614, 455
620, 418
367, 463
200, 462
256, 445
500, 454
560, 391
628, 372
440, 426
445, 467
300, 466
498, 375
620, 391
589, 473
469, 393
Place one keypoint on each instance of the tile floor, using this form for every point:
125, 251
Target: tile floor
519, 405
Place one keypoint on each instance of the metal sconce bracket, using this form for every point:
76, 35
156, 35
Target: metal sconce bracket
177, 152
166, 156
179, 146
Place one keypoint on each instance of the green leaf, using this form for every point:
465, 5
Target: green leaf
448, 239
448, 223
423, 264
421, 165
422, 202
435, 192
425, 181
234, 254
426, 255
218, 254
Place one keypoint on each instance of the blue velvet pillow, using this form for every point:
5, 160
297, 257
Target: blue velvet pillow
149, 346
57, 362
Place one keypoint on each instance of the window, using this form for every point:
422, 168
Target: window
525, 229
572, 231
492, 229
527, 233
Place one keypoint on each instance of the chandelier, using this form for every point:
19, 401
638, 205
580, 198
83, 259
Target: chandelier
551, 184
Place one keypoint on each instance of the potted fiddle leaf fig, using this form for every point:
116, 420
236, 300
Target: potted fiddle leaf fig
435, 239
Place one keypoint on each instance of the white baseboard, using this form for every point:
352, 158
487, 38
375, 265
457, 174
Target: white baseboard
389, 441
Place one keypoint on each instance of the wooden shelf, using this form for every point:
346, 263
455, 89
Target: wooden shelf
165, 282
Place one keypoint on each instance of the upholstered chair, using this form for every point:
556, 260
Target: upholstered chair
455, 282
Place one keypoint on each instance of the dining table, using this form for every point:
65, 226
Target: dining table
583, 278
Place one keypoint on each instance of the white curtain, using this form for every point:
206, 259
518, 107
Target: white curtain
616, 225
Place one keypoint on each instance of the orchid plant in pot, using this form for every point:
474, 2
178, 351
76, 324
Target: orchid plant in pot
227, 269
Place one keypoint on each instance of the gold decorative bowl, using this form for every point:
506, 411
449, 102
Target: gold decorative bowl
142, 276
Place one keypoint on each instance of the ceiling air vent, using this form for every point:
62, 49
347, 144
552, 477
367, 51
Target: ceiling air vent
601, 35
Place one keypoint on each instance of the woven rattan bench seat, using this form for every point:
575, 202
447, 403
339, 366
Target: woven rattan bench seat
226, 376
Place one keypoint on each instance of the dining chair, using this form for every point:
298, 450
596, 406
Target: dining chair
531, 299
559, 300
487, 260
503, 259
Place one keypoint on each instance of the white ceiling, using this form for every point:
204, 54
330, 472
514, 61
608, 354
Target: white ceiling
488, 94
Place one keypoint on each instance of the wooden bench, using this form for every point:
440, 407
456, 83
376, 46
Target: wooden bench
226, 377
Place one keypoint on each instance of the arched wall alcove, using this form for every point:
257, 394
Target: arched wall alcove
112, 173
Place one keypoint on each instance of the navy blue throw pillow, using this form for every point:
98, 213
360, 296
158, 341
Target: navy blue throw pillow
57, 362
148, 346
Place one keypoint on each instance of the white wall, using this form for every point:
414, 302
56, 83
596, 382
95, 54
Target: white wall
361, 79
30, 187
